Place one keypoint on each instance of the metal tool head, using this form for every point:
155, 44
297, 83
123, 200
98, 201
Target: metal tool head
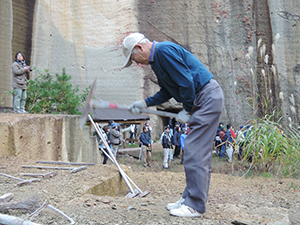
132, 194
87, 104
144, 194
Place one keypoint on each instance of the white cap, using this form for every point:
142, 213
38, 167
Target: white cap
128, 44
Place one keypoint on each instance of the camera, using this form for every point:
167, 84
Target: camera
28, 66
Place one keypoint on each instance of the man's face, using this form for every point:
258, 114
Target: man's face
140, 56
146, 129
168, 130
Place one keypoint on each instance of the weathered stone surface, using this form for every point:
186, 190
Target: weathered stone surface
85, 38
47, 137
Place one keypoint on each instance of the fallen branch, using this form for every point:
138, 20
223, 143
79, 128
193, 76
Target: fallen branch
74, 169
12, 220
22, 180
6, 198
67, 163
61, 213
29, 204
35, 213
44, 176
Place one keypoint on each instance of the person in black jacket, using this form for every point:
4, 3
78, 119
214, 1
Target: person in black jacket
167, 146
146, 147
176, 142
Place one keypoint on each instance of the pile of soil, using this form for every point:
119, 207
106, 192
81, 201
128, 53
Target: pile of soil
232, 199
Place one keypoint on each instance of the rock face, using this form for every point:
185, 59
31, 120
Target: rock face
47, 137
232, 38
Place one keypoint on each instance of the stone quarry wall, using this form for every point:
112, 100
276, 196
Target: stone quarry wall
85, 38
47, 137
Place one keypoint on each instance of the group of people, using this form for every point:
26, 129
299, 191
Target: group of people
177, 138
112, 134
228, 140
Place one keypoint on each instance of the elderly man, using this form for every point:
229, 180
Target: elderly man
182, 76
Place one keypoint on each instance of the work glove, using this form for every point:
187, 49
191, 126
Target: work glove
136, 107
182, 117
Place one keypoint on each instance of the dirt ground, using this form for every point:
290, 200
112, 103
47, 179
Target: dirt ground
232, 199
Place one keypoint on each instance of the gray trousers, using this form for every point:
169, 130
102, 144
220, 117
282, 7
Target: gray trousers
204, 120
19, 99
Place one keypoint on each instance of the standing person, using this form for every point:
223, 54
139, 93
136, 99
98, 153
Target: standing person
115, 136
147, 124
104, 132
223, 146
19, 82
182, 141
176, 142
167, 145
146, 147
218, 139
132, 133
229, 135
182, 76
240, 141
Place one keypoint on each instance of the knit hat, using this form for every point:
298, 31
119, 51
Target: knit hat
113, 125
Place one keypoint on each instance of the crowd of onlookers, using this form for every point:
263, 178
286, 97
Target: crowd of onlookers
171, 136
227, 141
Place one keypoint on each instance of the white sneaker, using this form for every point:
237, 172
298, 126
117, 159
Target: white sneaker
185, 211
175, 205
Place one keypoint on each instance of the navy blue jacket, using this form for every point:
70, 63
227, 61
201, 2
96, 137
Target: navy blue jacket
145, 139
228, 137
176, 138
179, 73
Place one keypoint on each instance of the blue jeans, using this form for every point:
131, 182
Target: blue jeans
223, 150
20, 99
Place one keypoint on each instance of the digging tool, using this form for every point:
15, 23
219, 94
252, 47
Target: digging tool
87, 104
133, 193
105, 104
19, 179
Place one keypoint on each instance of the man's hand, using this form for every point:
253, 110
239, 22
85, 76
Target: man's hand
136, 107
182, 117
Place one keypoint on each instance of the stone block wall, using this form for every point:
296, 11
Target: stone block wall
47, 137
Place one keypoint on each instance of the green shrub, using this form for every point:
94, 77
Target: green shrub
270, 150
48, 95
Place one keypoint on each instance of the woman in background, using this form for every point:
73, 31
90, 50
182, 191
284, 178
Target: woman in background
19, 83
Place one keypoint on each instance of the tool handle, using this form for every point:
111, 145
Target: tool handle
159, 113
110, 105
